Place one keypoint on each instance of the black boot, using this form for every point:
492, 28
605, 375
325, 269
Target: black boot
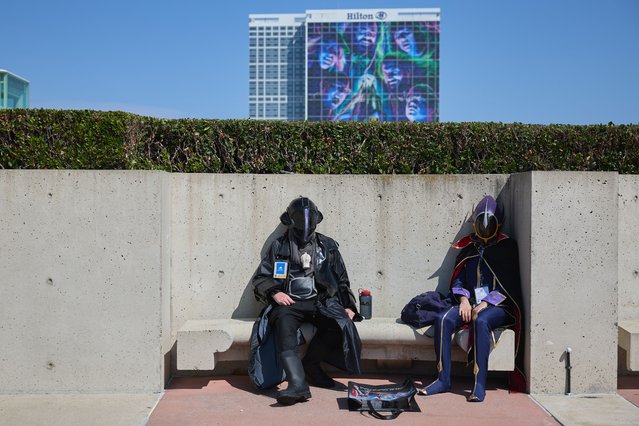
315, 374
318, 349
297, 390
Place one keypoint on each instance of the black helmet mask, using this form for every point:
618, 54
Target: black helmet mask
301, 218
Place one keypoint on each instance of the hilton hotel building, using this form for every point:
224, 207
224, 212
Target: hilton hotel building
289, 81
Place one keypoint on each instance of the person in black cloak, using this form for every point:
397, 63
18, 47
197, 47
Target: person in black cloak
486, 288
303, 278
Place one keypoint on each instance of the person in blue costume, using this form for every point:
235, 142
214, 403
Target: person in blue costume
486, 288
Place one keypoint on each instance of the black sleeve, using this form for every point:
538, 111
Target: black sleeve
504, 259
346, 296
512, 273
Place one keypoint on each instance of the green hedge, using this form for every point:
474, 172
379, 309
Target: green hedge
48, 139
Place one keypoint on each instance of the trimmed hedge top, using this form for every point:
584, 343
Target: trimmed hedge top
61, 139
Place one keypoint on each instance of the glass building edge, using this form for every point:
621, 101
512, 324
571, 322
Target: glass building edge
15, 90
3, 90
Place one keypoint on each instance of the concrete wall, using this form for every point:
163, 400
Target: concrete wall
82, 256
573, 281
132, 255
394, 234
628, 247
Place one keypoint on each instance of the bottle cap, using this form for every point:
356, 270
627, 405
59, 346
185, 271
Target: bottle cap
363, 292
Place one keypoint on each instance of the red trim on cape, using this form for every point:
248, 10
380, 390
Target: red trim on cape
465, 241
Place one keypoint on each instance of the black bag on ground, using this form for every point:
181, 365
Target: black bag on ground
392, 398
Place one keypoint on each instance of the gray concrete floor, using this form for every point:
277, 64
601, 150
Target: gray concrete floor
77, 409
232, 400
590, 409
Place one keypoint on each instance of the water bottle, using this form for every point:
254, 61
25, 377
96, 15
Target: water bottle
365, 303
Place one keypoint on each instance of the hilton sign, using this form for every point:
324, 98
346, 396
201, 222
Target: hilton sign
353, 16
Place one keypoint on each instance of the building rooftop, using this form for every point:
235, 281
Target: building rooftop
3, 71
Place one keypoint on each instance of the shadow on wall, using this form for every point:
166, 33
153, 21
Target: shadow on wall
443, 273
249, 307
445, 270
505, 200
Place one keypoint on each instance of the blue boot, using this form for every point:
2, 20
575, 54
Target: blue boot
479, 388
438, 386
445, 325
478, 395
487, 320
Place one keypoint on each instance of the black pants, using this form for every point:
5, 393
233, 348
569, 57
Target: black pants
286, 320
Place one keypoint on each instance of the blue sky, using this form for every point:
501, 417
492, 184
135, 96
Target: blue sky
542, 61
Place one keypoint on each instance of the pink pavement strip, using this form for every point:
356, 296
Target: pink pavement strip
628, 388
232, 400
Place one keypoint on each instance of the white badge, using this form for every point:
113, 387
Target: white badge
481, 293
280, 270
306, 260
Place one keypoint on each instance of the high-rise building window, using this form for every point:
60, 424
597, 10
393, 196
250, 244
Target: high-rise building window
269, 84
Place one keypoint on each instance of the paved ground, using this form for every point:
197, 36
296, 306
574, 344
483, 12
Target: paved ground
628, 387
76, 409
233, 401
596, 409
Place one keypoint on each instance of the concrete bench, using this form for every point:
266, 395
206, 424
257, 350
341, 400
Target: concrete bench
201, 344
629, 341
